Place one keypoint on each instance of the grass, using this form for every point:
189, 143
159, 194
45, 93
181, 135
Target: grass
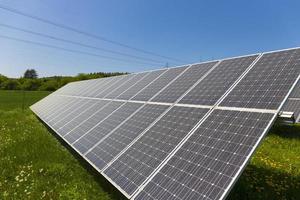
36, 165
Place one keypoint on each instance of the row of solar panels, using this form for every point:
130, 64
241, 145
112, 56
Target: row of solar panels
178, 133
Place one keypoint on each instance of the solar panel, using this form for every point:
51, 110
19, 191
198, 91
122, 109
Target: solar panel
183, 83
86, 103
177, 133
112, 86
73, 105
95, 118
119, 139
134, 80
94, 135
141, 159
151, 90
208, 162
268, 82
80, 118
218, 81
296, 91
98, 85
131, 92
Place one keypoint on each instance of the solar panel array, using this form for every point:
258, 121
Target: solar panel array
179, 133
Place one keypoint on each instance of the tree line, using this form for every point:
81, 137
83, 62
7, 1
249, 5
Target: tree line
31, 81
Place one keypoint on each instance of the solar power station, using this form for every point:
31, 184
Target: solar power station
179, 133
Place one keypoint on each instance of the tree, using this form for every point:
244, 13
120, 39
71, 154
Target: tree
30, 73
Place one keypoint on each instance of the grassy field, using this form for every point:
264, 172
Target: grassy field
36, 165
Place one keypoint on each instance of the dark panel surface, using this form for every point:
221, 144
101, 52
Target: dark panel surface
109, 148
183, 83
209, 160
141, 85
143, 157
134, 80
99, 85
97, 133
158, 84
115, 83
81, 117
218, 81
66, 110
267, 83
67, 117
92, 121
296, 91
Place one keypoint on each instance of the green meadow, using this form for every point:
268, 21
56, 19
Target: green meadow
35, 164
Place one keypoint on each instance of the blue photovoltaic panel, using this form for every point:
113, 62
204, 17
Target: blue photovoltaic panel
151, 90
218, 81
141, 85
183, 83
109, 148
208, 161
98, 132
266, 85
92, 121
143, 157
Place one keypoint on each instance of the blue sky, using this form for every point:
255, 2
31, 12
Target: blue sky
190, 30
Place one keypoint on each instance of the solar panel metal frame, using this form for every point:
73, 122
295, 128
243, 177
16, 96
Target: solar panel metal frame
249, 155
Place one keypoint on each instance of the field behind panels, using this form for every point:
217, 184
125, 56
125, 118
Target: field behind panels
35, 165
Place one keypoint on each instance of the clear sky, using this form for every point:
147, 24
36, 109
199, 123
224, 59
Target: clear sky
189, 30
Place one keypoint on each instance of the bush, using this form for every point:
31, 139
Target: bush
51, 85
10, 84
31, 84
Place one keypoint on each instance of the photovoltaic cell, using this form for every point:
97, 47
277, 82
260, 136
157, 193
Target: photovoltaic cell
112, 85
175, 90
296, 91
110, 147
208, 161
143, 157
267, 83
147, 93
58, 108
66, 110
82, 117
97, 133
218, 81
101, 86
134, 80
97, 85
75, 112
141, 85
92, 121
